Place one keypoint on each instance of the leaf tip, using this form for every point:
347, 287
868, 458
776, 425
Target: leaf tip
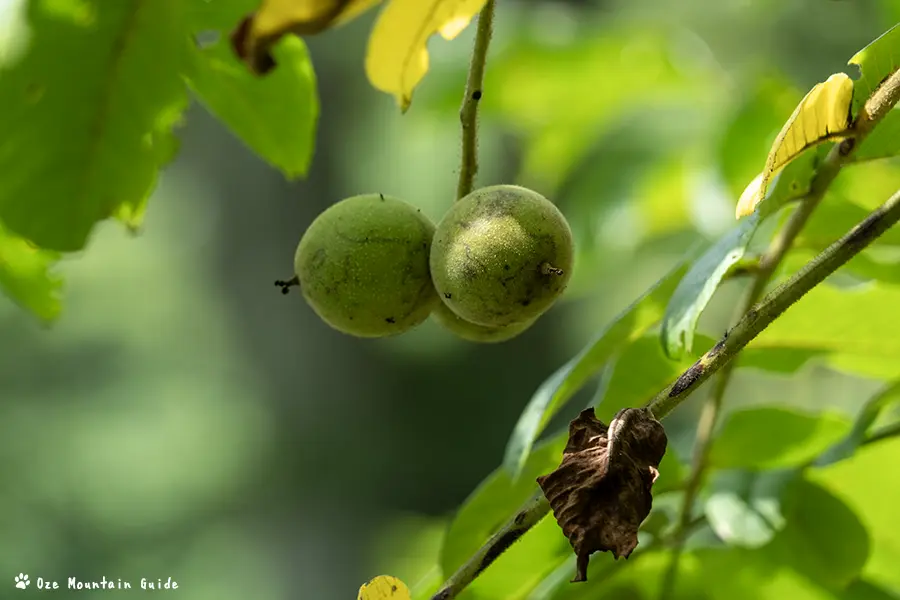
452, 28
750, 197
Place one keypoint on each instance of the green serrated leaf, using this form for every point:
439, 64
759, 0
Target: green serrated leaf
876, 62
855, 326
832, 556
744, 508
275, 115
218, 15
833, 218
735, 521
883, 141
81, 145
867, 184
697, 287
26, 277
865, 483
771, 438
566, 381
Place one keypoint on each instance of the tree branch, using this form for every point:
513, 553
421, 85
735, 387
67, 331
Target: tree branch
468, 112
873, 111
775, 303
755, 321
527, 517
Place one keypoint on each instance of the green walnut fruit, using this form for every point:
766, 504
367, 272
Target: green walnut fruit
363, 266
474, 332
501, 255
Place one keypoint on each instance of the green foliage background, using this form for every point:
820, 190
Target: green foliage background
181, 418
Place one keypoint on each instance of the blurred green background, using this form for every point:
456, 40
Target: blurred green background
185, 419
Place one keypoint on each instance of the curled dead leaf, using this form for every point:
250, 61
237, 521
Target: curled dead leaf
601, 491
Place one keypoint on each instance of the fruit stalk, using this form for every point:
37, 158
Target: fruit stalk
468, 112
751, 325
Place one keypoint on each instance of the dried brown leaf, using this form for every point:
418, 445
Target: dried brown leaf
601, 491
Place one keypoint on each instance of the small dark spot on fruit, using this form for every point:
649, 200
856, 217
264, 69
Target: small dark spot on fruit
381, 196
448, 295
390, 320
506, 267
525, 302
393, 588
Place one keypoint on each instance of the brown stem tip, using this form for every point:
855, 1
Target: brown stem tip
287, 285
548, 269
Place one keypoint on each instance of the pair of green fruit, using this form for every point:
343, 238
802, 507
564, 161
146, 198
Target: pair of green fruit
374, 266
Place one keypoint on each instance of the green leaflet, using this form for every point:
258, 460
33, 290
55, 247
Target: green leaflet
275, 115
78, 146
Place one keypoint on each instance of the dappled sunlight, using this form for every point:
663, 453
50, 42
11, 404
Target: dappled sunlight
14, 32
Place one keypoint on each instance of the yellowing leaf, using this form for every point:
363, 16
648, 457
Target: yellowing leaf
255, 36
750, 197
384, 587
823, 114
397, 59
